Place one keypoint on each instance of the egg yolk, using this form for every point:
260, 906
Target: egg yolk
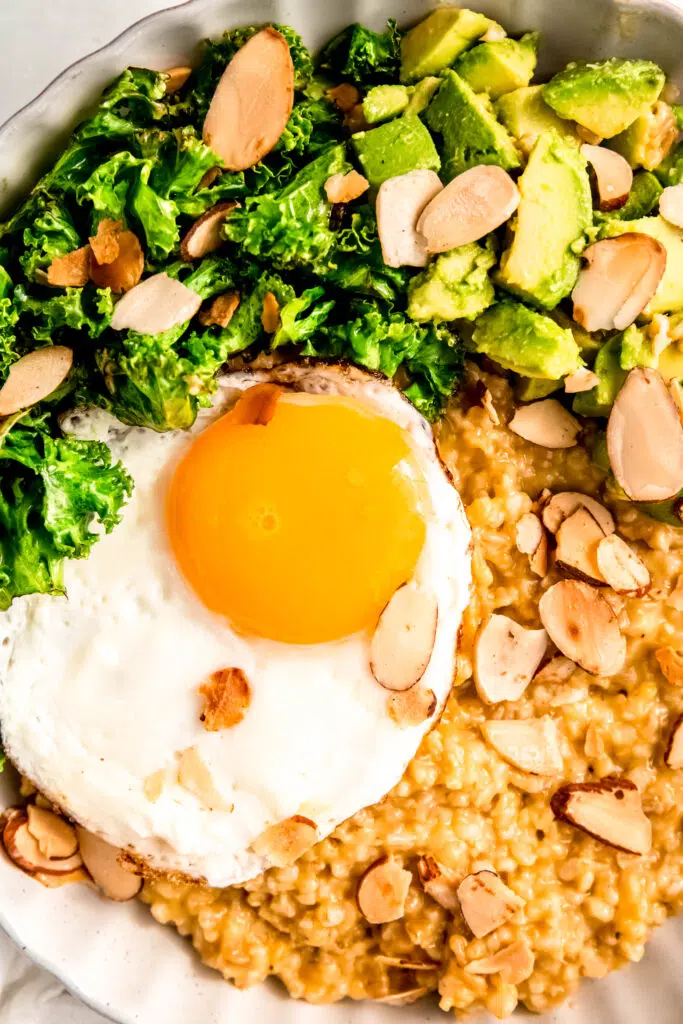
297, 516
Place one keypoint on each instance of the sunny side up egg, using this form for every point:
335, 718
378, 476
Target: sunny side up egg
205, 695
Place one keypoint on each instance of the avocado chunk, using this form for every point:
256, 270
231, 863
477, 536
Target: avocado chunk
454, 286
599, 400
647, 141
669, 295
642, 199
670, 171
532, 389
434, 43
385, 101
470, 132
422, 94
526, 115
636, 349
541, 263
501, 66
525, 341
395, 148
588, 343
605, 96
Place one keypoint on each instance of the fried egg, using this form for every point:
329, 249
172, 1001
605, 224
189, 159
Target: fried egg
259, 553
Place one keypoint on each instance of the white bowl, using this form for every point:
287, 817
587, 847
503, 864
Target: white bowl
115, 957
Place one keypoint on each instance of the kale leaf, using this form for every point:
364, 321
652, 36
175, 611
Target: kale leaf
362, 56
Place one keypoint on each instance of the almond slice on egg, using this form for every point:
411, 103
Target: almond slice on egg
71, 270
530, 744
402, 644
400, 201
344, 188
506, 657
125, 271
176, 77
620, 277
623, 570
382, 892
227, 695
609, 810
673, 755
472, 205
514, 963
283, 843
581, 623
195, 777
546, 423
613, 174
564, 504
205, 234
411, 707
671, 205
56, 838
577, 539
155, 305
252, 102
103, 863
33, 377
438, 883
25, 850
486, 902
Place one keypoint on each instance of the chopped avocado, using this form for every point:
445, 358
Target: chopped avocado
636, 349
670, 171
469, 129
531, 389
526, 115
527, 342
669, 295
670, 363
677, 111
395, 148
422, 94
588, 343
647, 141
501, 66
434, 43
642, 199
598, 451
385, 101
605, 96
454, 286
541, 263
599, 400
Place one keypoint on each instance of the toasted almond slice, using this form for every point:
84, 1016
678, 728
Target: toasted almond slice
472, 205
671, 205
105, 244
658, 333
438, 883
489, 407
345, 96
153, 785
221, 310
529, 533
125, 271
252, 102
493, 34
514, 963
155, 305
405, 998
530, 744
577, 547
671, 665
673, 755
270, 314
486, 902
257, 405
106, 869
205, 235
33, 377
506, 656
176, 77
382, 891
622, 569
621, 276
283, 843
581, 623
400, 201
405, 964
195, 777
344, 188
70, 271
609, 810
558, 670
546, 423
613, 175
645, 438
580, 380
227, 695
565, 503
402, 644
411, 707
56, 838
538, 562
24, 850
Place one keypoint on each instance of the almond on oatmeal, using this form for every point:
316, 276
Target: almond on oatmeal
438, 883
486, 902
577, 539
72, 270
560, 506
382, 891
506, 657
671, 664
622, 568
227, 696
270, 314
673, 755
403, 640
411, 707
24, 849
106, 868
528, 533
530, 744
105, 243
344, 188
609, 810
581, 623
514, 963
284, 842
546, 423
221, 310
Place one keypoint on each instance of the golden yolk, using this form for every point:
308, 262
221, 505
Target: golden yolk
298, 522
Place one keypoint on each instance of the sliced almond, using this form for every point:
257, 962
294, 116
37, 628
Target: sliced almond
658, 333
645, 438
103, 862
404, 964
56, 838
558, 670
270, 314
529, 533
546, 423
221, 310
530, 744
283, 843
257, 405
514, 963
155, 305
489, 407
345, 96
621, 276
125, 271
252, 102
33, 377
227, 696
402, 644
673, 755
153, 786
609, 810
581, 380
70, 271
400, 201
671, 665
622, 569
382, 892
438, 883
411, 707
472, 205
538, 561
506, 656
105, 244
581, 623
195, 777
564, 504
405, 998
176, 78
671, 205
24, 850
344, 188
486, 902
493, 34
577, 547
613, 175
205, 235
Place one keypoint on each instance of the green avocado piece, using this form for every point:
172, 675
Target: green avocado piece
422, 94
531, 389
434, 43
588, 343
541, 263
647, 141
670, 171
526, 115
501, 66
605, 96
385, 101
636, 349
525, 341
395, 148
642, 199
677, 111
599, 400
669, 295
454, 286
470, 132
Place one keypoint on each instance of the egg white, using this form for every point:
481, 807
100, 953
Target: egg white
99, 689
